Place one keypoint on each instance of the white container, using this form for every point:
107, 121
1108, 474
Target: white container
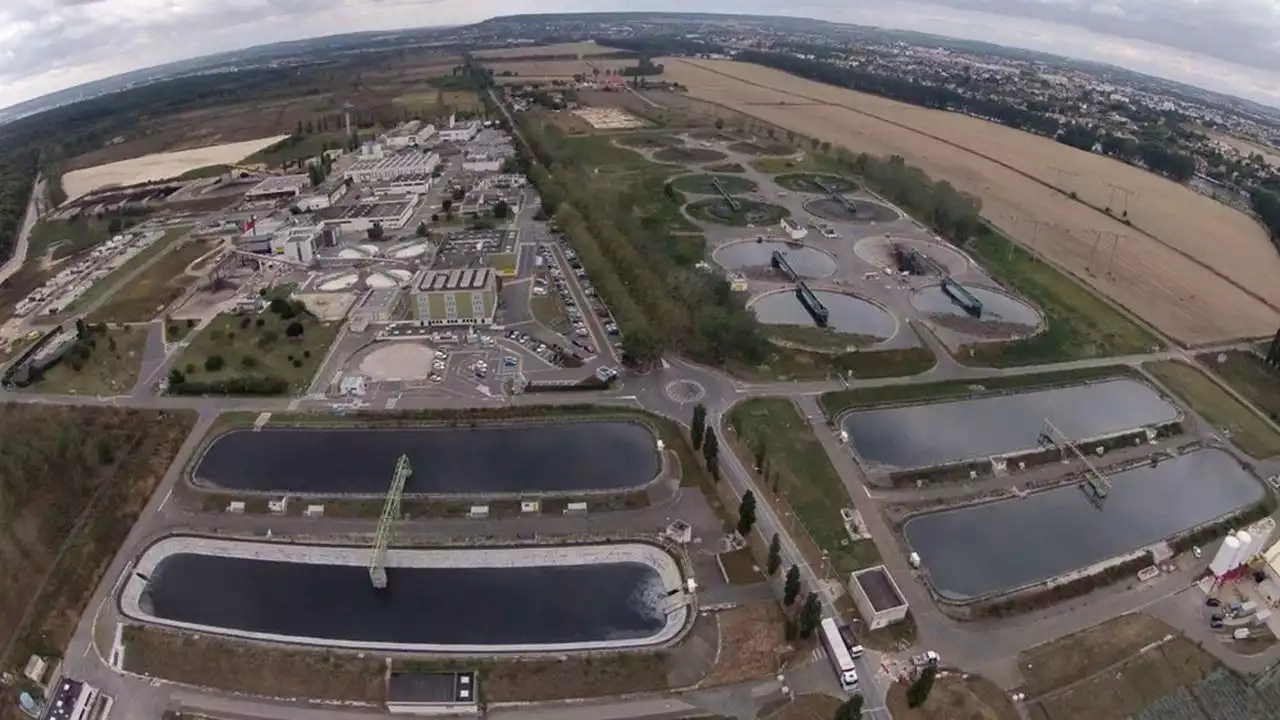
1223, 561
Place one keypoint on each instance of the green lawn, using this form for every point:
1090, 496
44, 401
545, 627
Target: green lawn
67, 237
793, 364
598, 151
111, 368
1250, 376
105, 284
148, 294
805, 479
834, 403
1249, 432
257, 346
1081, 325
809, 163
549, 310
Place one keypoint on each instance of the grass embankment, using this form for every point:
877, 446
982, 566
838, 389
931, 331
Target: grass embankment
834, 403
108, 283
152, 290
971, 697
794, 364
1248, 431
64, 238
1250, 376
272, 352
72, 483
1080, 324
549, 310
799, 478
104, 363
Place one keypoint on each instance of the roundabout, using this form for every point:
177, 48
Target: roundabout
685, 391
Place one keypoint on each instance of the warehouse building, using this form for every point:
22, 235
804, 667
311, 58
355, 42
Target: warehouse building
878, 597
463, 296
412, 134
432, 693
459, 132
378, 167
360, 217
278, 188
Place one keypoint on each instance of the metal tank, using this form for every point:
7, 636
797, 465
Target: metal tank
1224, 561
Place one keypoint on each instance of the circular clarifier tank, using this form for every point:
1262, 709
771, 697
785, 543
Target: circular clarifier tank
380, 281
846, 313
940, 260
409, 252
369, 250
997, 306
334, 283
352, 254
807, 261
856, 211
400, 275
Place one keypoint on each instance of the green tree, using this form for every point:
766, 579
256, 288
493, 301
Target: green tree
176, 377
775, 555
850, 709
501, 209
213, 363
759, 450
711, 453
747, 513
791, 588
920, 688
422, 229
294, 329
115, 225
375, 232
699, 426
810, 615
719, 123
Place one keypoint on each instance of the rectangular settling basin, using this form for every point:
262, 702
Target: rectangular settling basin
995, 547
483, 600
927, 435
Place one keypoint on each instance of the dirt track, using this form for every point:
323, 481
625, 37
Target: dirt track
1207, 275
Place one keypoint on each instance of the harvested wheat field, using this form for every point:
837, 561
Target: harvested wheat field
1207, 275
580, 49
159, 166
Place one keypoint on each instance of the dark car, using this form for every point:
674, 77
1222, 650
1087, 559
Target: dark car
1216, 617
1216, 624
1213, 602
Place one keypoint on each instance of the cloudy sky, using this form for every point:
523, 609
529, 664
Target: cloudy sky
1227, 45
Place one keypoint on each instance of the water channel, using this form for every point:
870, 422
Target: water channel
507, 459
973, 551
848, 313
916, 436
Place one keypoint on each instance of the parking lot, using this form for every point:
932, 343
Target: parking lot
588, 323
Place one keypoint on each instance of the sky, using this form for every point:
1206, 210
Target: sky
1231, 46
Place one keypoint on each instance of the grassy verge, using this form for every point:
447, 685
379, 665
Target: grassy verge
820, 338
1250, 433
794, 364
1080, 324
954, 697
557, 679
74, 481
549, 310
238, 666
67, 237
1067, 660
740, 567
1250, 376
834, 403
115, 356
108, 283
235, 347
153, 289
797, 471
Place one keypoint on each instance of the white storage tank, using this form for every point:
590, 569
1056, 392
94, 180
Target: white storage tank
1223, 561
1261, 532
1242, 555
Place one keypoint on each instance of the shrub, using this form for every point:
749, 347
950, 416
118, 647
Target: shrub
213, 363
249, 362
259, 322
294, 329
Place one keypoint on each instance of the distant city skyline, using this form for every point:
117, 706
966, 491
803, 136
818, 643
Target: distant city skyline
1230, 46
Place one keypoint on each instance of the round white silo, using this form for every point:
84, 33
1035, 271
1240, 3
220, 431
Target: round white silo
1222, 562
1246, 545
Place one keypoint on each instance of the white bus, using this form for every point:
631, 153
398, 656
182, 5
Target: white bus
841, 661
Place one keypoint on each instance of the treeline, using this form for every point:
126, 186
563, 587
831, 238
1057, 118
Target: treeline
1157, 157
658, 46
1266, 203
245, 385
644, 67
645, 272
18, 166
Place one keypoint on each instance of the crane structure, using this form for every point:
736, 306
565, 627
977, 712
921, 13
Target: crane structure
1096, 485
390, 513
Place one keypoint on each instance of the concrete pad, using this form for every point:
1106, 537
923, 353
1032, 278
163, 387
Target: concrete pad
398, 360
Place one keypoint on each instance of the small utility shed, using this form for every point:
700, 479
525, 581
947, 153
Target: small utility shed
878, 598
410, 693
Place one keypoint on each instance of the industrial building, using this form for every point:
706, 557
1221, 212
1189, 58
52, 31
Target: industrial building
376, 166
464, 296
75, 700
278, 188
409, 135
417, 184
878, 597
432, 693
480, 162
459, 132
297, 243
482, 201
363, 216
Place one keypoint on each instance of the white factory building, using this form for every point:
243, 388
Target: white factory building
412, 134
377, 166
297, 243
878, 597
459, 132
278, 187
481, 163
361, 217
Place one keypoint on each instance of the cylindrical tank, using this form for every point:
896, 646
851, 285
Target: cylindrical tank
1223, 561
1246, 543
